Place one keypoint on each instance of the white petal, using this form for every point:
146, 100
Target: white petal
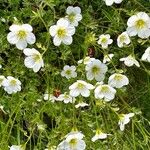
131, 31
36, 67
29, 62
67, 40
53, 30
21, 44
71, 30
12, 38
62, 22
14, 28
56, 41
30, 38
27, 27
74, 93
109, 2
85, 93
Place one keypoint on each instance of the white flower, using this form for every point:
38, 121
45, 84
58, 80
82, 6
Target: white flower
11, 85
81, 104
0, 66
73, 141
20, 35
104, 40
146, 55
80, 87
16, 147
69, 72
110, 2
33, 60
96, 69
50, 97
66, 98
86, 60
108, 58
130, 61
123, 39
99, 135
118, 80
74, 15
139, 24
2, 78
62, 32
105, 91
124, 119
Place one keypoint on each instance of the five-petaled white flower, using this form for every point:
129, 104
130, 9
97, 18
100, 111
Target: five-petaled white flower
2, 78
74, 15
73, 141
118, 80
62, 32
130, 61
20, 35
104, 40
81, 104
69, 72
86, 60
96, 69
146, 55
80, 87
66, 98
110, 2
33, 60
104, 91
124, 119
139, 24
16, 147
107, 57
123, 39
11, 85
99, 135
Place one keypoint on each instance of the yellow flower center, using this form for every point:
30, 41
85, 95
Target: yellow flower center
13, 82
105, 88
122, 38
104, 40
73, 142
118, 77
68, 72
80, 86
36, 58
121, 117
61, 32
95, 70
140, 24
22, 34
71, 17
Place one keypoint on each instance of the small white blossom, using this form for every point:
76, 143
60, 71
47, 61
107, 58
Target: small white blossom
74, 15
11, 85
80, 87
16, 147
96, 70
73, 141
20, 35
50, 97
105, 91
130, 61
104, 40
86, 60
110, 2
123, 39
146, 55
99, 135
2, 78
118, 80
66, 98
62, 32
69, 72
81, 104
33, 60
139, 24
108, 58
124, 119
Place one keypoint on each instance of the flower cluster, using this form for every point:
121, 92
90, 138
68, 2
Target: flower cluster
64, 29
